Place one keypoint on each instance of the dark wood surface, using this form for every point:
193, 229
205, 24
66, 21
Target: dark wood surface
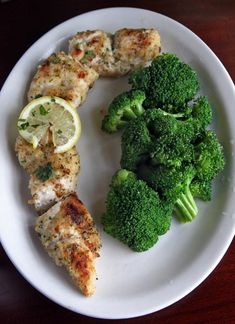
21, 24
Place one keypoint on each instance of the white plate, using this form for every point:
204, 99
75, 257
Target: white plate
130, 284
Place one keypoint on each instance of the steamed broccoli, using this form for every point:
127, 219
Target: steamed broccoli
159, 137
209, 156
171, 150
135, 215
201, 115
163, 137
123, 108
138, 137
173, 186
166, 143
167, 81
136, 142
201, 189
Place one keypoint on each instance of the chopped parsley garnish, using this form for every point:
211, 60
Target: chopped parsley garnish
38, 96
44, 172
21, 120
35, 126
55, 59
52, 99
59, 131
88, 55
42, 110
23, 126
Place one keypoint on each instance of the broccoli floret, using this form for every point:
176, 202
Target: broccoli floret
167, 81
158, 122
173, 186
175, 134
172, 150
138, 137
123, 108
201, 189
136, 141
159, 137
134, 212
201, 113
209, 157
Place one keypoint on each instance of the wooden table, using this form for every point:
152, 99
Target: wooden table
21, 24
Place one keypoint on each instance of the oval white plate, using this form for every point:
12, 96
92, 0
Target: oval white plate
130, 284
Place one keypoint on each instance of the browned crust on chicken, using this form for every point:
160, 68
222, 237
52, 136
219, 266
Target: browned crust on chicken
136, 46
63, 179
68, 233
62, 76
118, 54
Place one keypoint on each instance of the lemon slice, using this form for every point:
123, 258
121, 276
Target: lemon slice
54, 114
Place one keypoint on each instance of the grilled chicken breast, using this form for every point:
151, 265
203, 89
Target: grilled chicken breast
136, 47
118, 54
52, 176
94, 49
68, 234
60, 75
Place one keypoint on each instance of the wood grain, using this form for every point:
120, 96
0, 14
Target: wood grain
21, 24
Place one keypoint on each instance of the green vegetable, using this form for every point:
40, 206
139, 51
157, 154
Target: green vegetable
173, 186
136, 143
171, 150
177, 153
135, 214
44, 172
209, 157
158, 137
201, 189
201, 115
123, 108
169, 158
167, 81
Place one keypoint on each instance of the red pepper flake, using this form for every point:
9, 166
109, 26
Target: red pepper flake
81, 74
77, 51
94, 40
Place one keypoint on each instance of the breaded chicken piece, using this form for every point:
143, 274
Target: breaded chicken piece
136, 47
62, 76
52, 175
118, 54
94, 49
68, 234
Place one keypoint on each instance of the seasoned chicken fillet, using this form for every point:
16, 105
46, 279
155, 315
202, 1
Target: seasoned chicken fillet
52, 175
94, 49
136, 47
68, 234
118, 54
62, 76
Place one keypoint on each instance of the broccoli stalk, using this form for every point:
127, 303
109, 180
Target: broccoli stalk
173, 186
123, 108
185, 206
